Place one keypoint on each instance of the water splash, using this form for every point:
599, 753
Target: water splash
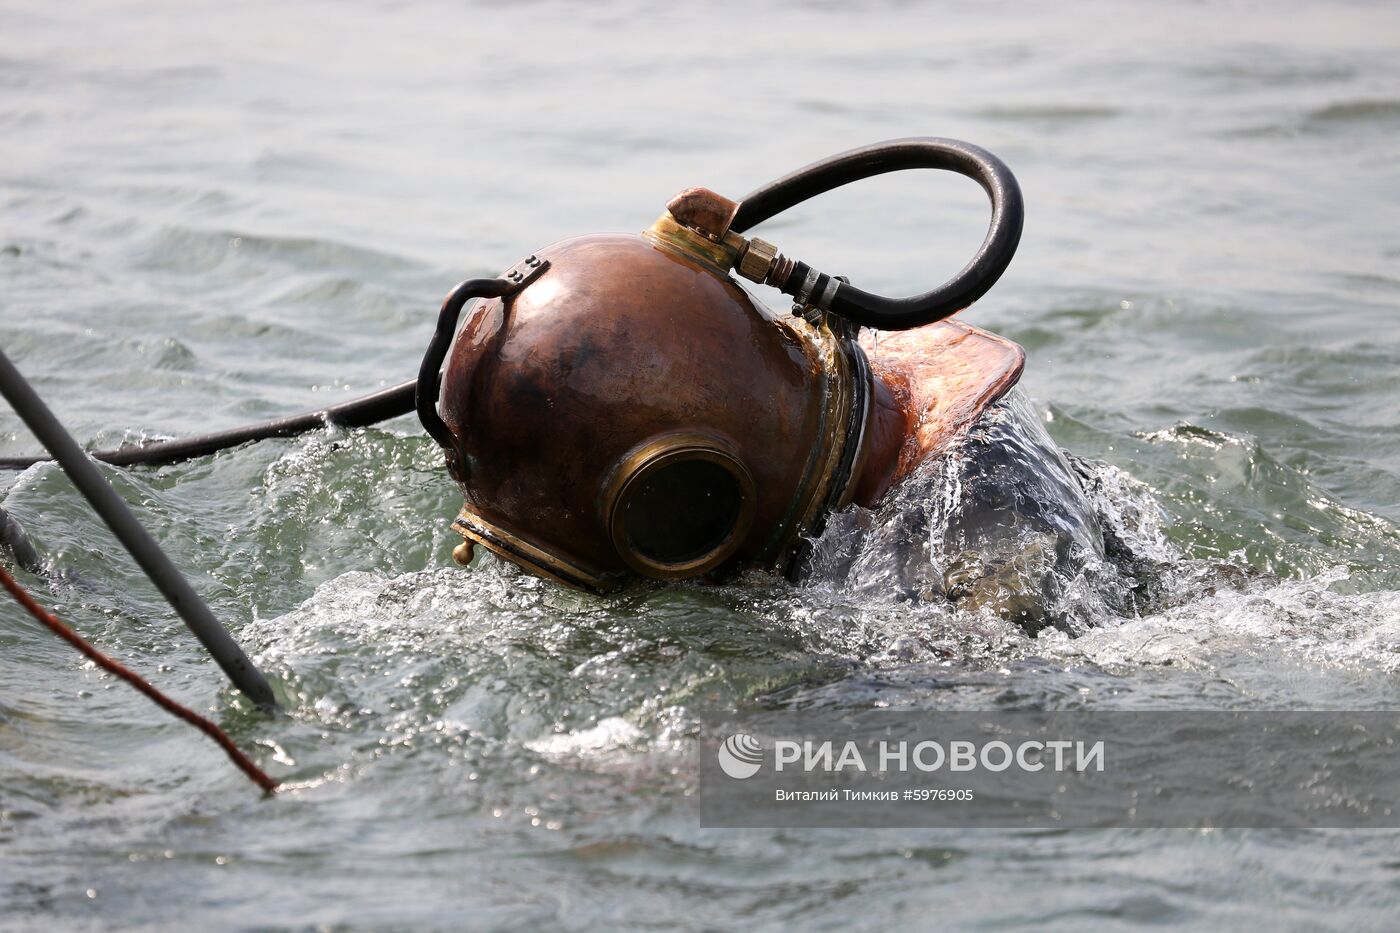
1008, 522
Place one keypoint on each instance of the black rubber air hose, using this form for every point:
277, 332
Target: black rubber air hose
896, 155
357, 413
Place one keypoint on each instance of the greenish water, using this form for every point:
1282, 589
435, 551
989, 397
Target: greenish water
216, 213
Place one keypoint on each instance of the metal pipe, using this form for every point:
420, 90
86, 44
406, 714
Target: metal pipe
129, 531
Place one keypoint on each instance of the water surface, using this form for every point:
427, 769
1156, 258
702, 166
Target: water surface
213, 213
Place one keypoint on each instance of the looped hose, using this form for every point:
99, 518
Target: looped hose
877, 311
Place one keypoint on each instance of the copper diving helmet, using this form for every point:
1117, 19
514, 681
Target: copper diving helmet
619, 405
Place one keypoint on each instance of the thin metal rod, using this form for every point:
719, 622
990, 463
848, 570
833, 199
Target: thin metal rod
105, 501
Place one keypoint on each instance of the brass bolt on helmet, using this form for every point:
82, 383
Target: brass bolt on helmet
619, 405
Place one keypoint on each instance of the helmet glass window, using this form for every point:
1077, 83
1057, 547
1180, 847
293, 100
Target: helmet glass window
679, 506
681, 512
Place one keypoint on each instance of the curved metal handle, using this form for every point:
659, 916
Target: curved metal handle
425, 396
862, 307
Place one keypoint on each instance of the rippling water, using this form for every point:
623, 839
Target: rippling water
211, 213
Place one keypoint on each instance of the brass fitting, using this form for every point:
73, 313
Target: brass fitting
757, 260
703, 211
686, 241
697, 222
